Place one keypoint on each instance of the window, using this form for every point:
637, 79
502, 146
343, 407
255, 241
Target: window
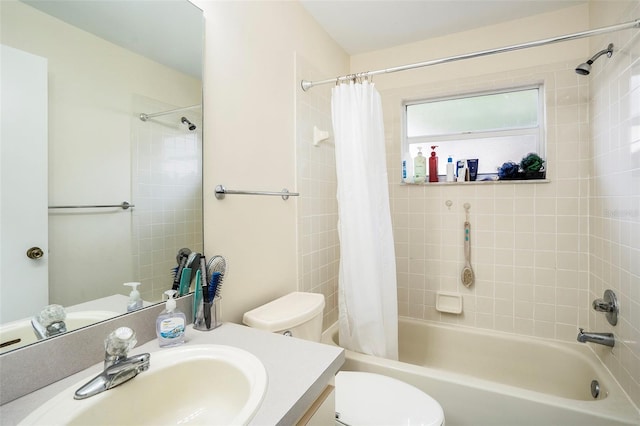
494, 127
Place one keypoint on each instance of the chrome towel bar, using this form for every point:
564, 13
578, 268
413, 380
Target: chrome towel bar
221, 191
124, 206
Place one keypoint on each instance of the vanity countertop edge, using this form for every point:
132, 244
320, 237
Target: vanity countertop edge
297, 370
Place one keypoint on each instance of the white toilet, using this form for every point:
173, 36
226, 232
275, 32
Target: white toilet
361, 398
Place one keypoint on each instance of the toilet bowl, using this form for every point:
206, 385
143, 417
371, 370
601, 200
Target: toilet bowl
361, 398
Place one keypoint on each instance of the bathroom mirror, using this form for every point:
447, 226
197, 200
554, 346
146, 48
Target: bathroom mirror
98, 66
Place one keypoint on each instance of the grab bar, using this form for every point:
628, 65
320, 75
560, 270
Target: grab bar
124, 206
221, 191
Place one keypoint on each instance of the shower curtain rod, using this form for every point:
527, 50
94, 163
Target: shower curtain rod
145, 117
306, 84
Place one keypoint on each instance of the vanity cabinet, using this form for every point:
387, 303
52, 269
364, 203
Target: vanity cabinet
322, 411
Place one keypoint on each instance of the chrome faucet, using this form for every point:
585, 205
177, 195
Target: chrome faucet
606, 339
118, 367
49, 322
114, 375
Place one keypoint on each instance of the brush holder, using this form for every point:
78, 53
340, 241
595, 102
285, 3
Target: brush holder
207, 315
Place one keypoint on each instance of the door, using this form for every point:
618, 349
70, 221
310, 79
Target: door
23, 184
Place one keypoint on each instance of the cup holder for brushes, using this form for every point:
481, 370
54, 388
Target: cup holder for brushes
207, 315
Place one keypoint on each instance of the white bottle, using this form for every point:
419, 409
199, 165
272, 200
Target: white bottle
135, 301
420, 167
450, 170
171, 323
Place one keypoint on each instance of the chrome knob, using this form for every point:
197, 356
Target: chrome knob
609, 305
35, 253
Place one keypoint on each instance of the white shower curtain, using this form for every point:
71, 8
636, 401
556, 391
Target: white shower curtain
368, 313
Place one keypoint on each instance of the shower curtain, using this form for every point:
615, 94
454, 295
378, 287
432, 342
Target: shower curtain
367, 295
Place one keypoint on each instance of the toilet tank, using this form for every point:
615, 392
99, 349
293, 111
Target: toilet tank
297, 313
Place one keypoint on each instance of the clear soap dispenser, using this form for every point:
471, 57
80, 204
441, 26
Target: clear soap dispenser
135, 301
171, 323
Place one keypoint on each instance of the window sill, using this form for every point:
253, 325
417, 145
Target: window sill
478, 182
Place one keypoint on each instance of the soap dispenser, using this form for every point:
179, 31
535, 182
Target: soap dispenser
420, 167
171, 323
433, 165
135, 301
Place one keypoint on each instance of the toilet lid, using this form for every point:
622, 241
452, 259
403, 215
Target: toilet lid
373, 399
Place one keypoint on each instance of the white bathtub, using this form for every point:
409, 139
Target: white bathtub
491, 378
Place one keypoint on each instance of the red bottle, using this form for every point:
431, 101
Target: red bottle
433, 165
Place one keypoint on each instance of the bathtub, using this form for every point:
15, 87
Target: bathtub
491, 378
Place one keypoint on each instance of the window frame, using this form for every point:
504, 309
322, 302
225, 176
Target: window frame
426, 141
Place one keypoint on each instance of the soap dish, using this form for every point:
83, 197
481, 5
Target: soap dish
450, 303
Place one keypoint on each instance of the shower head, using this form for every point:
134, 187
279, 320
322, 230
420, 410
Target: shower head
585, 68
189, 124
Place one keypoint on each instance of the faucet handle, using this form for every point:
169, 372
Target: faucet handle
609, 305
118, 344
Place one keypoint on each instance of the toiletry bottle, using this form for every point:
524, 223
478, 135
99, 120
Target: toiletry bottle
171, 323
450, 171
135, 301
460, 172
420, 167
433, 165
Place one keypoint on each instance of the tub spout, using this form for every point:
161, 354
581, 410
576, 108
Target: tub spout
606, 339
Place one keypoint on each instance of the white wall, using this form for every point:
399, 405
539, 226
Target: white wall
250, 121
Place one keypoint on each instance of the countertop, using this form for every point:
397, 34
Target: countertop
298, 371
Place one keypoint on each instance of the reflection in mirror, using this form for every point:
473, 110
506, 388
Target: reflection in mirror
83, 73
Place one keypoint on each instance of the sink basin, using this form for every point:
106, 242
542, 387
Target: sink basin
22, 334
194, 385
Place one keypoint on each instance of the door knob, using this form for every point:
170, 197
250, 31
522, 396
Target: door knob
35, 253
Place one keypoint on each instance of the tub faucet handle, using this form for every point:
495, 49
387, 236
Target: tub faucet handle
609, 305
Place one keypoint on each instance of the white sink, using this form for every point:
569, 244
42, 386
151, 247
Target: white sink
22, 333
194, 385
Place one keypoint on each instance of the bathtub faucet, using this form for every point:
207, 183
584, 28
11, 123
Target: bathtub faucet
599, 338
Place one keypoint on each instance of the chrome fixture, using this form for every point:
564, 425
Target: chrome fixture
189, 124
124, 206
595, 389
144, 117
118, 367
221, 191
118, 373
609, 305
306, 84
585, 68
49, 322
606, 339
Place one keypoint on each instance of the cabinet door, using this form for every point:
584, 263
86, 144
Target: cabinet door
322, 412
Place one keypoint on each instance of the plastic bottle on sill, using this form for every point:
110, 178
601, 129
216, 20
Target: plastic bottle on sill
450, 170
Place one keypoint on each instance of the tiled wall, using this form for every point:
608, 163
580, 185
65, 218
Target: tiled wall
614, 211
167, 189
318, 243
528, 240
541, 252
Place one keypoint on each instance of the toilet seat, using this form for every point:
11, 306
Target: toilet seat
373, 399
